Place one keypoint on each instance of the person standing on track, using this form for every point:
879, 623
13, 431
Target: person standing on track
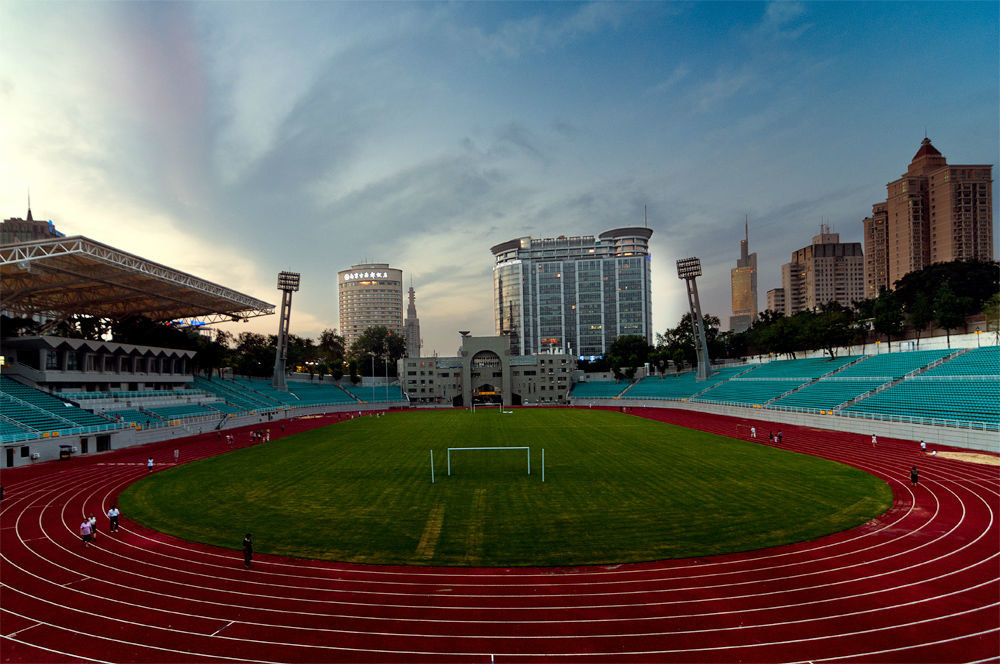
914, 476
753, 432
93, 527
247, 550
149, 464
85, 533
113, 516
874, 440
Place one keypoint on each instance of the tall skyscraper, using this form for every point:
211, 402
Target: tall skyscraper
934, 213
744, 285
412, 328
371, 295
576, 294
827, 270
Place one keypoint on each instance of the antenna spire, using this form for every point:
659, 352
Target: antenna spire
645, 219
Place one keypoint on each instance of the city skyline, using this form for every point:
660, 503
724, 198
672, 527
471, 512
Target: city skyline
233, 141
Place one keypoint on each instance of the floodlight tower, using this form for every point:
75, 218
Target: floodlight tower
288, 283
688, 269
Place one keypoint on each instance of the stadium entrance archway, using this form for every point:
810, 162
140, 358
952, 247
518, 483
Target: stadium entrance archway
486, 370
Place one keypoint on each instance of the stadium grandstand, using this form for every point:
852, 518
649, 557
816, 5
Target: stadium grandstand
951, 395
60, 396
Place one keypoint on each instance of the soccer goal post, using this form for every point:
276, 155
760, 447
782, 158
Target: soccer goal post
471, 449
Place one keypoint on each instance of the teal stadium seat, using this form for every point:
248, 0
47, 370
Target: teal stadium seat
598, 389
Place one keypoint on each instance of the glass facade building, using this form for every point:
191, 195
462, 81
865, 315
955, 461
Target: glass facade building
574, 295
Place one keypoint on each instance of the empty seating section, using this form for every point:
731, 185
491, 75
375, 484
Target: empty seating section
181, 411
11, 431
139, 418
234, 394
598, 389
681, 386
963, 400
976, 362
749, 391
376, 393
33, 418
892, 365
223, 407
828, 394
807, 368
263, 389
316, 394
41, 412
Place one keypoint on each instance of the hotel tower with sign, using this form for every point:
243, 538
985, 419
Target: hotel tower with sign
573, 295
371, 295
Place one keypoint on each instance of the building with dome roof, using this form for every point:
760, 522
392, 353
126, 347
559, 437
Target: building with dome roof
934, 213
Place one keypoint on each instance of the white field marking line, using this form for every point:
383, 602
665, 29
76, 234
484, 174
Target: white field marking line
119, 641
69, 583
545, 637
266, 610
119, 571
23, 629
661, 617
826, 451
918, 645
72, 656
730, 646
549, 574
223, 627
647, 580
526, 608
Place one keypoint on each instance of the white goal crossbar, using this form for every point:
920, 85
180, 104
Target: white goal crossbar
463, 449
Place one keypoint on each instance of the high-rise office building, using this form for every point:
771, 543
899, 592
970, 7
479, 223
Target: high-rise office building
412, 328
827, 270
371, 295
573, 294
744, 284
934, 213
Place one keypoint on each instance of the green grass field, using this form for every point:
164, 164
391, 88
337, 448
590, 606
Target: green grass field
617, 489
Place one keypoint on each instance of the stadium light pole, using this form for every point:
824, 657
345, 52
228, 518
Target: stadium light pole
688, 269
288, 283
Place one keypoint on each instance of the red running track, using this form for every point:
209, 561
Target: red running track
920, 583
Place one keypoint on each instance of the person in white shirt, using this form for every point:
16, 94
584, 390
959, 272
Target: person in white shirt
113, 516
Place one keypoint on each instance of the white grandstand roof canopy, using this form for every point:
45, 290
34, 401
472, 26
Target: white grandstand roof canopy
61, 277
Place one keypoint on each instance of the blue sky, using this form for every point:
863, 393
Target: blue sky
235, 140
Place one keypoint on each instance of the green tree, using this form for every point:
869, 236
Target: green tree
951, 309
331, 347
832, 327
992, 311
976, 280
378, 349
887, 315
627, 353
255, 354
920, 313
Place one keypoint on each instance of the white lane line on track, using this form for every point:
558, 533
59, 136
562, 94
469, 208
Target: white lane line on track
119, 641
755, 644
913, 647
69, 583
223, 627
23, 629
70, 656
753, 570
